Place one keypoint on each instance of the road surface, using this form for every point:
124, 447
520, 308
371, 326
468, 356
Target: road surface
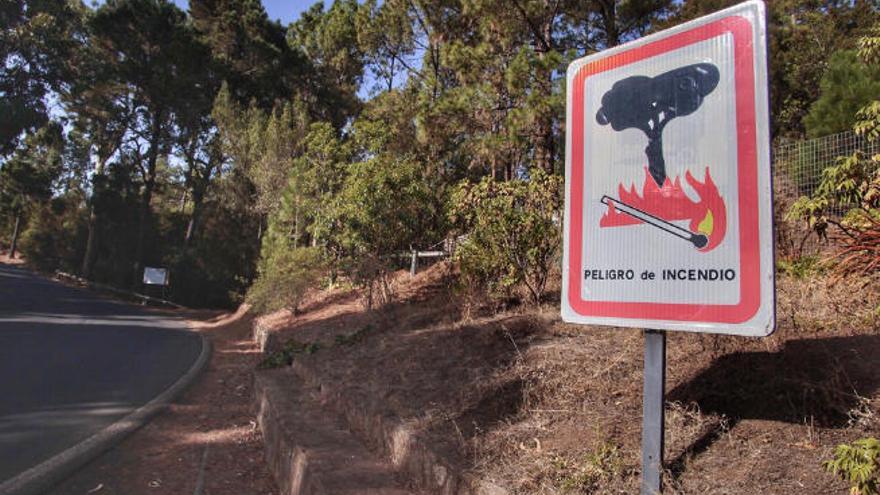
72, 363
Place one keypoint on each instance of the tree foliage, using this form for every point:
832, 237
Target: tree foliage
803, 35
30, 174
513, 232
233, 149
328, 40
285, 277
385, 207
858, 464
847, 85
852, 185
37, 41
251, 50
28, 177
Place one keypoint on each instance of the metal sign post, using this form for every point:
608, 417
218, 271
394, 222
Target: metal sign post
653, 415
668, 198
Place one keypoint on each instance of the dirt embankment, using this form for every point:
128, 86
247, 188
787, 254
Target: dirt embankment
525, 403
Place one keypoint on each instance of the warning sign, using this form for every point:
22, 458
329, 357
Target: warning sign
668, 207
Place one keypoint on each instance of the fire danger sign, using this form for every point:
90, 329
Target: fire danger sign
668, 206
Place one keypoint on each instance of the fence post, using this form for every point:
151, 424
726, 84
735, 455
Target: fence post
414, 263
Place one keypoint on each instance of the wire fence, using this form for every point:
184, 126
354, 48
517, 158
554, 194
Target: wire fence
799, 164
797, 171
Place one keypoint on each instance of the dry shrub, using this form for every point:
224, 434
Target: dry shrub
578, 427
373, 276
865, 415
792, 236
860, 252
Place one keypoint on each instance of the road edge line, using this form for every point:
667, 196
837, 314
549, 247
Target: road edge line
50, 472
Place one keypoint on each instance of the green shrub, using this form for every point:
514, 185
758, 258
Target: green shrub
284, 356
800, 267
386, 206
284, 279
54, 236
514, 233
857, 464
852, 185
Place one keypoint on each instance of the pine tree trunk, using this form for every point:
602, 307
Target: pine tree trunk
142, 231
190, 227
296, 232
15, 233
91, 254
147, 196
544, 139
94, 224
609, 20
193, 219
91, 245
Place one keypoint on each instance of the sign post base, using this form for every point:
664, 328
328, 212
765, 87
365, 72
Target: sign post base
652, 411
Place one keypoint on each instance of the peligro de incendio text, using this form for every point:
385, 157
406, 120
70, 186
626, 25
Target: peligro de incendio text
669, 274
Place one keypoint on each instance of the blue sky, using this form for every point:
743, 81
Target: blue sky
286, 11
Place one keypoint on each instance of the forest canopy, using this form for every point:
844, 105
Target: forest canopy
219, 143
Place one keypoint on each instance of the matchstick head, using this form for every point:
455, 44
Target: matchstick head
700, 241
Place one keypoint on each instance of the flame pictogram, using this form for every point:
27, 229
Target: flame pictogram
708, 216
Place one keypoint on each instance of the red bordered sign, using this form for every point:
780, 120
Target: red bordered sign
668, 212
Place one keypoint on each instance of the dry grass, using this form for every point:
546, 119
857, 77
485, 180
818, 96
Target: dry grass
782, 401
533, 405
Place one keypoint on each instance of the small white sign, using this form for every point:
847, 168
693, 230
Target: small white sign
155, 276
668, 202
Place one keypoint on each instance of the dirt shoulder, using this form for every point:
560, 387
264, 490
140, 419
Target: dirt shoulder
6, 260
208, 436
524, 402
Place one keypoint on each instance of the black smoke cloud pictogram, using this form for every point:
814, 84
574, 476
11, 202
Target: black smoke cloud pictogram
649, 103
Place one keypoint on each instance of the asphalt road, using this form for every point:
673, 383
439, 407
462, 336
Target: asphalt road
72, 363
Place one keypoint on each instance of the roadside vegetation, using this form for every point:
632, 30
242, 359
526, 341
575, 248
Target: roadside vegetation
297, 167
217, 142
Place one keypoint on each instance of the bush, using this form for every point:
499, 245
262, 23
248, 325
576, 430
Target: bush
285, 355
514, 233
386, 206
55, 235
801, 267
284, 279
857, 464
852, 185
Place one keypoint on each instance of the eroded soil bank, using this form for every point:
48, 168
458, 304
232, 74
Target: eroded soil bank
520, 402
